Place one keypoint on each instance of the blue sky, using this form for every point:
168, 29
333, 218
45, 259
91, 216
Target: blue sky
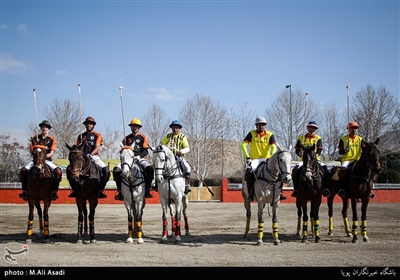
165, 52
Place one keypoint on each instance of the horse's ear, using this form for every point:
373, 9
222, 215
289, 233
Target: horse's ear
68, 146
377, 140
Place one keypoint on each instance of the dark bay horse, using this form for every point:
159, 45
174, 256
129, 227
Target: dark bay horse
357, 179
309, 185
84, 178
132, 188
39, 188
270, 177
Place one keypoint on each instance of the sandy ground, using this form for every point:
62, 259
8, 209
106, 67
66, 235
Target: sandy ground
216, 239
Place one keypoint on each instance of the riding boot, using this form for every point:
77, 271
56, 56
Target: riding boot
149, 176
282, 196
187, 183
327, 178
56, 182
69, 178
295, 181
117, 178
105, 176
250, 179
23, 176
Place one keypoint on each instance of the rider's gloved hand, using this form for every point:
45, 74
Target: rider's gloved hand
347, 149
248, 161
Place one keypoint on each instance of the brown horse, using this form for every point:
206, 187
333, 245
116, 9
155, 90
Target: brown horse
39, 189
357, 179
309, 180
84, 178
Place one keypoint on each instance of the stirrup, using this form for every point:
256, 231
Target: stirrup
371, 195
282, 197
187, 189
54, 196
102, 194
119, 196
24, 195
72, 194
295, 194
342, 193
326, 193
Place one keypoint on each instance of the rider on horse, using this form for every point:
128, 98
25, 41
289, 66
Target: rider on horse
262, 147
308, 140
350, 146
51, 144
92, 141
140, 145
179, 145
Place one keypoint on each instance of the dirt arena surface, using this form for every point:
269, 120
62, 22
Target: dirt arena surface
216, 239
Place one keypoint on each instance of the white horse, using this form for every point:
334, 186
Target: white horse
132, 188
270, 177
171, 187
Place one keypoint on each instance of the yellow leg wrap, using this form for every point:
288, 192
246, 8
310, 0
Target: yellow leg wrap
364, 228
260, 232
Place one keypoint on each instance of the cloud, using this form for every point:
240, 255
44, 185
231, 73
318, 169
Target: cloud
3, 26
14, 66
62, 72
163, 94
21, 28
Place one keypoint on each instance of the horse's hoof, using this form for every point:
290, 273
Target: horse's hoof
304, 239
28, 241
355, 240
330, 233
188, 233
140, 241
177, 242
277, 242
79, 241
365, 239
93, 240
260, 243
349, 234
317, 239
129, 240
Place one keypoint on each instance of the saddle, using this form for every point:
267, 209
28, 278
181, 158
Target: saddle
47, 174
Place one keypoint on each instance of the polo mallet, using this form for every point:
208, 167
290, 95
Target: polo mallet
80, 111
36, 122
122, 107
305, 113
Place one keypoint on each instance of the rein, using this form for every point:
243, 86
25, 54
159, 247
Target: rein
131, 179
277, 175
86, 162
168, 171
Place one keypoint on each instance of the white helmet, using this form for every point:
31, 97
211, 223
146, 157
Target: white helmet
260, 120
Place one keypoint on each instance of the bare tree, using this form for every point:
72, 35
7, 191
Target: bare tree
64, 117
204, 121
375, 112
12, 159
111, 139
331, 130
156, 125
279, 116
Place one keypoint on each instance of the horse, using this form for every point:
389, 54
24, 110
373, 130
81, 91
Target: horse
171, 188
132, 188
84, 178
358, 177
270, 177
39, 188
309, 180
185, 204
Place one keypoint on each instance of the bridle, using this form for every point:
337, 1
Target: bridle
84, 161
168, 172
130, 165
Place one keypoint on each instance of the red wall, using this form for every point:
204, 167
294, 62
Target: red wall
11, 196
